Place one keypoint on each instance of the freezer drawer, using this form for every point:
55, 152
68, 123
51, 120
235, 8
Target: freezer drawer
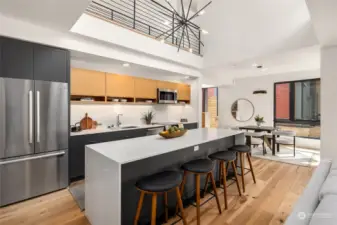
27, 177
51, 117
16, 117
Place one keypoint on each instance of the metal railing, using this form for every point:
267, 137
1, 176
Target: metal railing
149, 18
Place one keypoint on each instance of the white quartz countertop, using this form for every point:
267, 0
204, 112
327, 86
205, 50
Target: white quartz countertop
129, 150
104, 129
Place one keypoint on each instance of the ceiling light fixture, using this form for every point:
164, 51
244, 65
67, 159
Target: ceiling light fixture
190, 50
201, 13
166, 22
162, 41
184, 25
126, 64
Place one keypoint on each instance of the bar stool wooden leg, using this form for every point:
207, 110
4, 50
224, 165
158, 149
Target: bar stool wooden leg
215, 193
165, 205
180, 204
220, 172
154, 209
197, 186
236, 177
139, 207
242, 164
251, 167
227, 166
225, 184
206, 184
182, 186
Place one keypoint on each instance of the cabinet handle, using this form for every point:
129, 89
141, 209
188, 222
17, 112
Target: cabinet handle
38, 116
30, 115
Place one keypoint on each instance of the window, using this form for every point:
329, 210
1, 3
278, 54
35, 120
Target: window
297, 101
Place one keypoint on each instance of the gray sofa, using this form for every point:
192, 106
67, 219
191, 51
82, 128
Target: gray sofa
318, 203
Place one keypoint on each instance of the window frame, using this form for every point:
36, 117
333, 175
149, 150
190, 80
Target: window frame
292, 119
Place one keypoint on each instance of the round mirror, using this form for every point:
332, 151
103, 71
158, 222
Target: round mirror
242, 110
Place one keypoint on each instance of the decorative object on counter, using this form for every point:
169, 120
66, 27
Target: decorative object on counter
173, 132
124, 100
148, 117
259, 92
259, 120
242, 110
87, 99
115, 100
76, 127
148, 101
86, 123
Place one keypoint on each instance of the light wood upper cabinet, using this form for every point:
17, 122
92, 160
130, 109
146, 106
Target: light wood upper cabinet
184, 92
120, 86
87, 82
145, 88
167, 85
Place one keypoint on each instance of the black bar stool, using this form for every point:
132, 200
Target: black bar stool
200, 167
225, 157
159, 183
242, 150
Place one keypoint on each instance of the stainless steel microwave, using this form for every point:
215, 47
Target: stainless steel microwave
167, 96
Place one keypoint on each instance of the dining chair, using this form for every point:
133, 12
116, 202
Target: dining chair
281, 138
256, 139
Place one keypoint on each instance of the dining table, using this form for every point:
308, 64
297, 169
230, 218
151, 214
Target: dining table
268, 129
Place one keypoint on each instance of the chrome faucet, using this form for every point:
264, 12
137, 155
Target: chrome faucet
118, 120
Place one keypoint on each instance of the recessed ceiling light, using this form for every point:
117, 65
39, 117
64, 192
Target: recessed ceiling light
162, 41
126, 64
255, 65
166, 22
202, 12
190, 50
204, 31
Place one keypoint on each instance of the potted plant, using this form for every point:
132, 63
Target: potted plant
148, 117
259, 120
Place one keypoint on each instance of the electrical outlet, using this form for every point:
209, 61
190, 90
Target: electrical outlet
196, 148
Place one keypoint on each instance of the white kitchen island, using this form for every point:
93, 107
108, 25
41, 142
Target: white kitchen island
112, 169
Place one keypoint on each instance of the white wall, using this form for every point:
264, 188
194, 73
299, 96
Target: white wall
328, 102
92, 27
263, 103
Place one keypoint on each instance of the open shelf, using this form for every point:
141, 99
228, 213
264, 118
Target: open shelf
119, 100
87, 99
146, 101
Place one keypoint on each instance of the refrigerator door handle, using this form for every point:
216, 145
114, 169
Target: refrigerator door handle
32, 158
38, 116
30, 114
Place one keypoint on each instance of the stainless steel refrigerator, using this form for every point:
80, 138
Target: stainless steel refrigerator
33, 138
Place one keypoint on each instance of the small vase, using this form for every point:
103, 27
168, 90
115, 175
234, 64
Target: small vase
258, 123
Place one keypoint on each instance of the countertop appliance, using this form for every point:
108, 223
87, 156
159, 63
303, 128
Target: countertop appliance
167, 96
34, 127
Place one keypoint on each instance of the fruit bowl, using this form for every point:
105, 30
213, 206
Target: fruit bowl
175, 134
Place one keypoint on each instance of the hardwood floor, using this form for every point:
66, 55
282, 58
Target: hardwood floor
266, 203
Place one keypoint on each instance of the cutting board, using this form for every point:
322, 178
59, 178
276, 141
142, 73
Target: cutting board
86, 123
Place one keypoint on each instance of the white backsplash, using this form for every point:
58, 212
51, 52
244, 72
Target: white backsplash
106, 114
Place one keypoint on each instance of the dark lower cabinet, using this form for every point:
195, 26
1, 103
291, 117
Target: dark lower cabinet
77, 148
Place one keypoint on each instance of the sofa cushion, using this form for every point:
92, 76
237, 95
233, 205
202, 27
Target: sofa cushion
326, 212
329, 186
308, 201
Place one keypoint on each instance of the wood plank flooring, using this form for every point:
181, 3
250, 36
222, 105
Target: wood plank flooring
268, 202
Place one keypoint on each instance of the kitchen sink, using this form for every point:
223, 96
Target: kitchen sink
128, 127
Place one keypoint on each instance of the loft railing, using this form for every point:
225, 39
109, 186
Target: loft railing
149, 18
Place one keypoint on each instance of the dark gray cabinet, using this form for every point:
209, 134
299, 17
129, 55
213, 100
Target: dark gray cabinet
191, 126
16, 60
78, 143
25, 60
50, 64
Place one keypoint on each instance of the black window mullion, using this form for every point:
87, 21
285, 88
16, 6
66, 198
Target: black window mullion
292, 101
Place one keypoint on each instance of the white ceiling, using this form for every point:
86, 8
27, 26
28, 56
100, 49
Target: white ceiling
324, 17
60, 14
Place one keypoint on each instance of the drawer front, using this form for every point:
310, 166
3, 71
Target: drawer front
32, 176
